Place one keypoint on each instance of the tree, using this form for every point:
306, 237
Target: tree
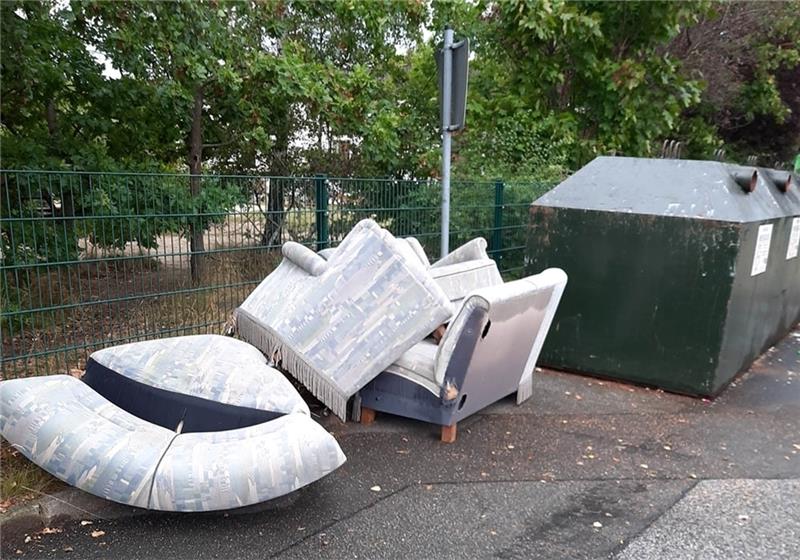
296, 87
60, 111
593, 73
196, 61
748, 57
49, 83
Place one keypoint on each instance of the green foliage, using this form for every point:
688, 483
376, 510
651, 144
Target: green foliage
349, 88
140, 209
50, 86
471, 215
107, 210
596, 67
747, 55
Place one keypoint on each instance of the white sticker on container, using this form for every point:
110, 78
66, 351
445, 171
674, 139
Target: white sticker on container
794, 239
762, 249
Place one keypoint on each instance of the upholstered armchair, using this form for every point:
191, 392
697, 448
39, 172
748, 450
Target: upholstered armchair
488, 351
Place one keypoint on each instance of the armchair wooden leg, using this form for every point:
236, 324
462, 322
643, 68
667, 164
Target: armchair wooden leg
449, 433
367, 415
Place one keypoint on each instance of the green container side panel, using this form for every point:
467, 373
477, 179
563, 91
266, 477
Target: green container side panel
647, 296
764, 307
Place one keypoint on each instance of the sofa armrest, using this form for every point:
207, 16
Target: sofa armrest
327, 253
304, 258
416, 246
506, 340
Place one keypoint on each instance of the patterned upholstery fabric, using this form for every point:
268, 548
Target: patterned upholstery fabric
418, 364
73, 433
472, 250
413, 244
304, 257
336, 331
459, 279
416, 246
461, 271
70, 430
221, 470
212, 367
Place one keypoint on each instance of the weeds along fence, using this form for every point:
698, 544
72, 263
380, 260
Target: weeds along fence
95, 259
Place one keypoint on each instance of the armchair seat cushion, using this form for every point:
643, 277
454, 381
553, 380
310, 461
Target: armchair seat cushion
418, 364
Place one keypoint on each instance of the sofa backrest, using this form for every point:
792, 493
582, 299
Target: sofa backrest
472, 250
460, 279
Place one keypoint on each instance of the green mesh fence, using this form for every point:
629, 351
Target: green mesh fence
95, 259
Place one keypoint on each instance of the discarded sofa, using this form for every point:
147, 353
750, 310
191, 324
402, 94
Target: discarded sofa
195, 423
355, 320
335, 324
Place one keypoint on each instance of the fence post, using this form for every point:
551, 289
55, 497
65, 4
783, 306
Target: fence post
321, 187
497, 232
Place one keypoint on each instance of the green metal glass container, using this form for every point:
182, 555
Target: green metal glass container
681, 273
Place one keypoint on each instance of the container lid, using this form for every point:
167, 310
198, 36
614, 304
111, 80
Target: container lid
709, 190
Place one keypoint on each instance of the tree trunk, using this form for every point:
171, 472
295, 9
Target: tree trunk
273, 228
67, 211
195, 169
52, 123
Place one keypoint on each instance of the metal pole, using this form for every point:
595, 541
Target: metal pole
321, 184
497, 232
447, 79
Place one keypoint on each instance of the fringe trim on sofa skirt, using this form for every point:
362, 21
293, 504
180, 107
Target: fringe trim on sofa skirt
266, 340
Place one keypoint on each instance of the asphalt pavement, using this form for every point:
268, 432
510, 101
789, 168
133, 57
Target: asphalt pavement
585, 469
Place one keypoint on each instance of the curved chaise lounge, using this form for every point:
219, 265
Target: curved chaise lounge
197, 423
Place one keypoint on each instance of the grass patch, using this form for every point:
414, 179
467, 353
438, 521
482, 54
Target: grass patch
21, 480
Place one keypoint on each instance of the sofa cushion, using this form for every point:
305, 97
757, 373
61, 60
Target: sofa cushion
68, 429
65, 427
417, 364
205, 382
210, 471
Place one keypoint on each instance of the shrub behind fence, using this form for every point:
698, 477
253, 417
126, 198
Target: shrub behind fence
95, 259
